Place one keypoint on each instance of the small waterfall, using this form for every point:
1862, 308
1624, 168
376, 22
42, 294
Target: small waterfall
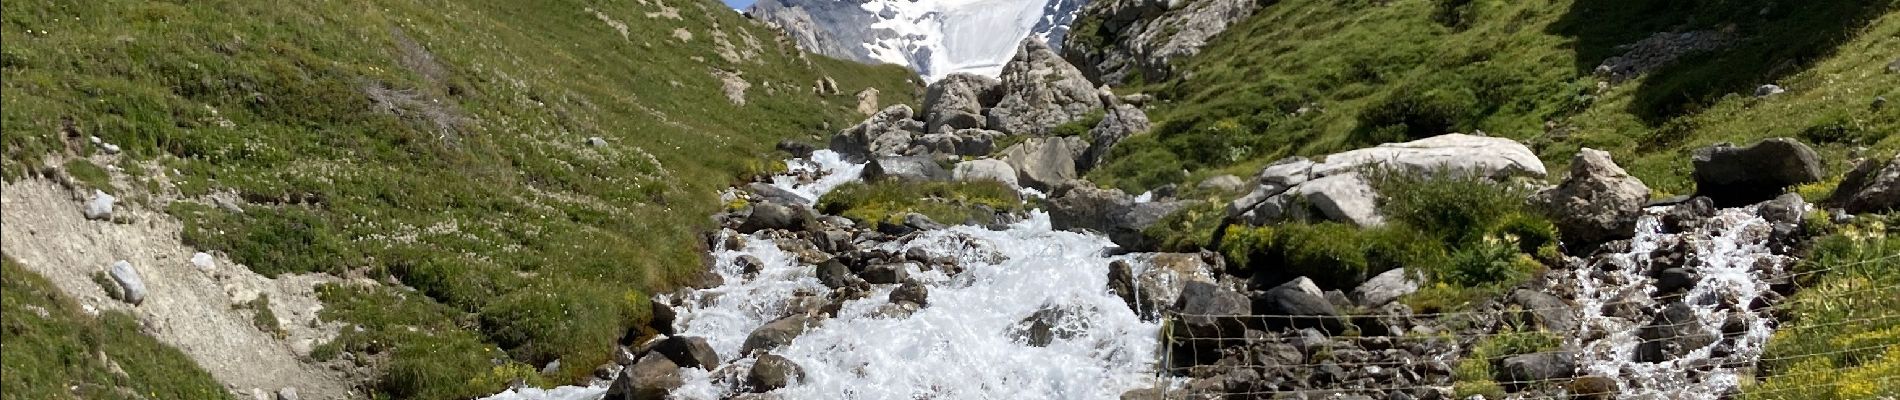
1731, 261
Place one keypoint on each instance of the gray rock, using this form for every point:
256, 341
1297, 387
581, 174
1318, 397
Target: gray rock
887, 273
772, 372
1144, 394
289, 393
652, 377
1546, 310
1223, 183
1042, 163
1734, 176
1490, 157
1210, 311
1271, 182
1385, 287
1870, 187
1084, 206
131, 287
776, 333
1118, 123
1295, 305
1345, 198
1659, 50
1527, 369
768, 215
1598, 202
1048, 324
1675, 280
985, 170
910, 168
1788, 208
834, 274
596, 141
1040, 91
100, 207
688, 352
1145, 38
957, 101
775, 194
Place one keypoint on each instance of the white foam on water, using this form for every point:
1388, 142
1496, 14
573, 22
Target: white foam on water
830, 167
1724, 259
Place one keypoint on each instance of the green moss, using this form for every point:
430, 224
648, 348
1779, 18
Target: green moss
55, 351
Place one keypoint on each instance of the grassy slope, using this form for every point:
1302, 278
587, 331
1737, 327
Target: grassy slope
69, 355
1370, 72
435, 143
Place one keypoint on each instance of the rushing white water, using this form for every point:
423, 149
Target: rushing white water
965, 343
1728, 255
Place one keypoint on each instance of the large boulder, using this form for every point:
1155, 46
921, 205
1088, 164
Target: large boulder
1385, 287
1735, 176
131, 287
1872, 186
1345, 198
1085, 206
1675, 332
1298, 304
957, 101
887, 133
1598, 202
776, 333
1333, 188
1042, 163
1154, 289
908, 168
985, 170
1040, 91
772, 372
769, 215
650, 378
1545, 309
1120, 122
688, 352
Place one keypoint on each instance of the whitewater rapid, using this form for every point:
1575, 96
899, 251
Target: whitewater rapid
965, 343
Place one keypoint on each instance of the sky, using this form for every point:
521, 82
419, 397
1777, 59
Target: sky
739, 4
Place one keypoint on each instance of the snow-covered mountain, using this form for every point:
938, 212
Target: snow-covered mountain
934, 37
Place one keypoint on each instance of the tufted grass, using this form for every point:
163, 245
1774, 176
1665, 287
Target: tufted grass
1841, 343
944, 202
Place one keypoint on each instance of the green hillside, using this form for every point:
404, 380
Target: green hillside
1304, 77
436, 145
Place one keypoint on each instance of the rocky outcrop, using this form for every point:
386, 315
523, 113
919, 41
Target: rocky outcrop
1334, 188
1598, 202
957, 101
907, 168
1118, 41
1872, 186
1734, 176
889, 132
1118, 123
1040, 91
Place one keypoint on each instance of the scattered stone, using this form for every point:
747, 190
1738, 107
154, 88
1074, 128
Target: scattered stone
776, 333
100, 207
1660, 50
1223, 183
1788, 208
1769, 90
131, 288
651, 378
203, 261
1299, 305
1735, 176
1546, 310
289, 393
596, 141
887, 273
1385, 287
688, 352
772, 372
1598, 202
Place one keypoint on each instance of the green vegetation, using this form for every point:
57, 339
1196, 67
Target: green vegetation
261, 315
55, 351
439, 144
1476, 373
1310, 77
90, 174
1844, 342
944, 202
